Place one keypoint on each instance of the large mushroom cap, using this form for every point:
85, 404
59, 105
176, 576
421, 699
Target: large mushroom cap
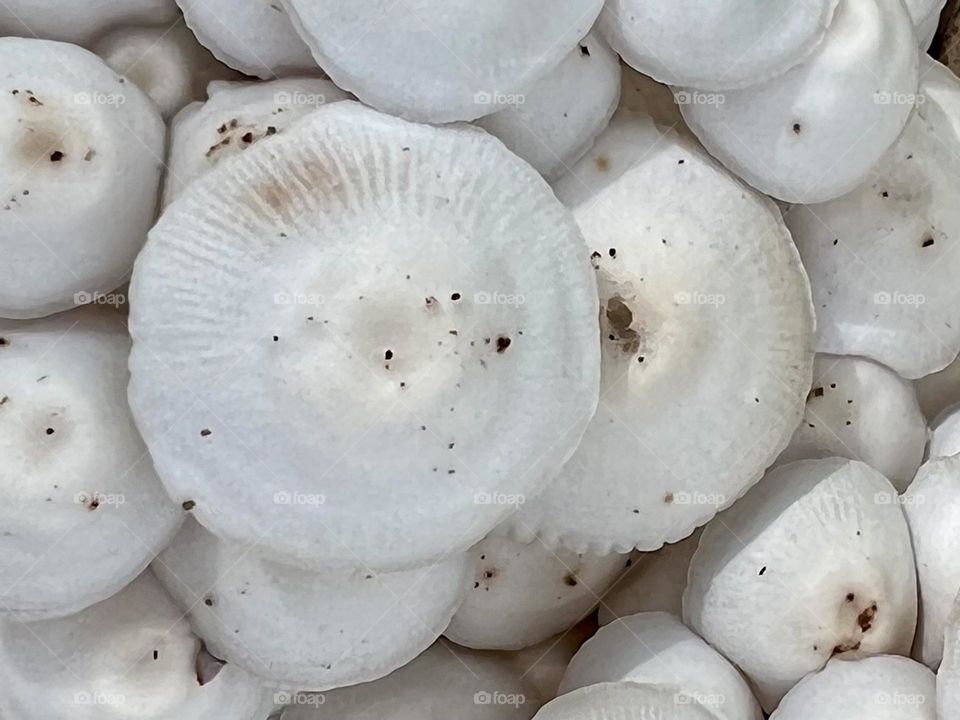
255, 37
365, 341
932, 507
754, 594
79, 21
81, 507
658, 649
861, 410
303, 629
886, 687
815, 132
706, 337
374, 48
131, 656
234, 118
882, 259
524, 593
564, 113
443, 682
714, 44
81, 152
167, 63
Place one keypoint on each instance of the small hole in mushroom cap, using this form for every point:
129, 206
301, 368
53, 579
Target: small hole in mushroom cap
188, 505
570, 580
4, 341
56, 156
455, 296
927, 241
49, 431
502, 344
388, 355
585, 51
668, 498
797, 128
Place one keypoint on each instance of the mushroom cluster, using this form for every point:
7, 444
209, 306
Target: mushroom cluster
540, 360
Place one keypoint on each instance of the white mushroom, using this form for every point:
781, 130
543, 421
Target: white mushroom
255, 37
886, 687
932, 507
815, 561
302, 629
235, 117
926, 17
562, 115
938, 391
945, 434
131, 656
422, 60
657, 649
445, 681
714, 44
524, 593
948, 675
882, 259
706, 336
863, 411
80, 160
655, 582
815, 132
167, 63
417, 293
79, 21
81, 507
626, 701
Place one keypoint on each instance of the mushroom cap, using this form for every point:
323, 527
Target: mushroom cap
79, 21
864, 411
932, 507
412, 302
235, 117
525, 593
881, 258
655, 583
706, 335
714, 44
885, 687
625, 701
82, 510
948, 675
939, 391
564, 113
657, 649
130, 656
444, 681
754, 594
263, 616
815, 132
168, 64
945, 434
255, 37
374, 48
926, 18
76, 137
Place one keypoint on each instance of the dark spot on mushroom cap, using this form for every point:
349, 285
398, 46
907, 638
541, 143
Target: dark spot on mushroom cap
208, 601
4, 341
502, 344
205, 432
797, 128
865, 619
927, 241
570, 580
455, 296
585, 51
188, 505
668, 498
762, 570
56, 156
602, 163
613, 252
850, 597
49, 431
